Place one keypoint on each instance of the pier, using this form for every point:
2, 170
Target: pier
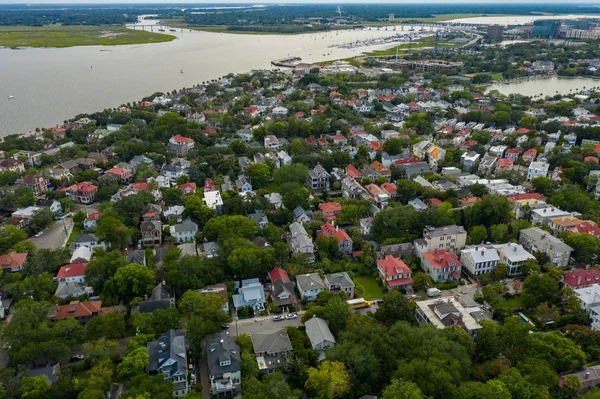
290, 62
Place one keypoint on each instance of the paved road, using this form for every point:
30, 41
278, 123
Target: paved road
54, 237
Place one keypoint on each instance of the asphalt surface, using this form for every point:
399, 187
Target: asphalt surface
54, 237
257, 324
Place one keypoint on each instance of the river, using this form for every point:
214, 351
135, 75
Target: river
547, 86
50, 85
516, 19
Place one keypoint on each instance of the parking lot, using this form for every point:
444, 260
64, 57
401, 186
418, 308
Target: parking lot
257, 324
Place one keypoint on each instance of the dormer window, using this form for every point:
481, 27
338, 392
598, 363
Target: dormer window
225, 363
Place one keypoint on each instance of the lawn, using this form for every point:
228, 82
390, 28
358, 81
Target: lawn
372, 288
515, 302
76, 231
69, 36
428, 41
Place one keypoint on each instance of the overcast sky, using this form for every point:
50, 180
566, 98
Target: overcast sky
295, 2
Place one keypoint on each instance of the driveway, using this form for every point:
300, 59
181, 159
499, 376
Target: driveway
55, 236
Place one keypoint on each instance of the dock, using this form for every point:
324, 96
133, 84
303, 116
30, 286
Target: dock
290, 62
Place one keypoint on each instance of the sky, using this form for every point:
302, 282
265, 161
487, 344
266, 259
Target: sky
295, 1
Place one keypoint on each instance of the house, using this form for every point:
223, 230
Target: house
479, 259
537, 169
341, 281
137, 256
581, 278
243, 184
589, 376
401, 250
271, 142
563, 223
418, 204
282, 289
123, 175
513, 256
343, 239
319, 178
211, 249
141, 159
330, 210
529, 155
217, 289
394, 273
251, 294
441, 265
543, 215
83, 192
535, 239
446, 312
381, 170
223, 356
151, 233
301, 242
13, 261
80, 311
51, 372
59, 173
309, 285
81, 255
589, 297
260, 219
272, 349
469, 159
188, 188
213, 200
319, 335
87, 240
72, 289
365, 225
180, 145
586, 226
377, 195
451, 238
162, 297
38, 184
91, 220
172, 173
74, 272
184, 232
168, 356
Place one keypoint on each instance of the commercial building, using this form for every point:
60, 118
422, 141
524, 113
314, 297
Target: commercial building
495, 32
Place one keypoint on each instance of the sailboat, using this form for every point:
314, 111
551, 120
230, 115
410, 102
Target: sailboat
181, 71
11, 97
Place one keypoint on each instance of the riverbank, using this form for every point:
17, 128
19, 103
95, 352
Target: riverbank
291, 29
70, 36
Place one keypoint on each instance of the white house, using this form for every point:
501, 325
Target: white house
537, 169
184, 232
309, 285
479, 259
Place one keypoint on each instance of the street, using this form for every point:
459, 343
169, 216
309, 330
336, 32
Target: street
54, 237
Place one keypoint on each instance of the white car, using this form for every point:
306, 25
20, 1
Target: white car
291, 316
39, 234
277, 318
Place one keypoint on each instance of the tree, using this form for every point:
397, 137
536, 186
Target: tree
198, 210
400, 389
497, 233
110, 326
296, 198
103, 267
134, 363
259, 174
336, 313
35, 387
294, 173
132, 281
544, 185
110, 229
226, 227
329, 381
477, 235
41, 219
395, 307
586, 247
538, 289
204, 306
495, 209
9, 236
173, 196
407, 190
487, 342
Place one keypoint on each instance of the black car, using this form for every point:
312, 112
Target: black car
224, 326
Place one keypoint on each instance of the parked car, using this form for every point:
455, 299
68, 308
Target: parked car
278, 318
76, 358
291, 316
224, 326
39, 234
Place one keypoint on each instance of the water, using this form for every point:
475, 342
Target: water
51, 85
546, 87
516, 19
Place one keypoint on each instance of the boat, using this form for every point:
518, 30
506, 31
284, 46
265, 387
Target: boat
181, 70
161, 30
11, 97
172, 30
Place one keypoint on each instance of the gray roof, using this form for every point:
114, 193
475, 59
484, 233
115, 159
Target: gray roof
297, 230
271, 341
168, 354
542, 239
444, 231
149, 226
258, 218
481, 253
318, 331
186, 225
66, 288
137, 256
188, 249
211, 248
342, 279
309, 281
281, 286
159, 254
221, 348
81, 238
151, 306
318, 171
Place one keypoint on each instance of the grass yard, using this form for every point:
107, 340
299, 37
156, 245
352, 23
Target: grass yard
515, 302
428, 41
372, 288
76, 231
69, 36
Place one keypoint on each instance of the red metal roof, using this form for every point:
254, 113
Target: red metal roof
392, 266
582, 277
389, 187
441, 258
278, 274
352, 171
534, 196
180, 139
72, 270
12, 259
83, 309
